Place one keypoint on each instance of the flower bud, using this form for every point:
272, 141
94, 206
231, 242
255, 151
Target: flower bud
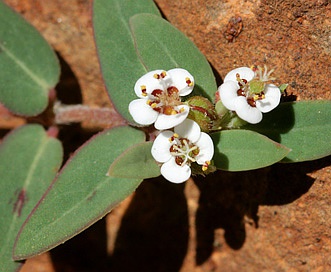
203, 112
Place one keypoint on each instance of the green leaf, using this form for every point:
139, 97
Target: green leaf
239, 150
283, 87
135, 162
30, 68
120, 65
81, 194
162, 46
29, 160
303, 126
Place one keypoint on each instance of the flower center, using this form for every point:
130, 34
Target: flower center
167, 100
253, 90
183, 150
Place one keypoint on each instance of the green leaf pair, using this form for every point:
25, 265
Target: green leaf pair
132, 38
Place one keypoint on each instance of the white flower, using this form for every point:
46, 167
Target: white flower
159, 100
178, 149
245, 91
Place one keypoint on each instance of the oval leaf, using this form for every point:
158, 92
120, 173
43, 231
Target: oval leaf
120, 65
81, 194
31, 67
303, 126
29, 160
240, 150
135, 162
162, 46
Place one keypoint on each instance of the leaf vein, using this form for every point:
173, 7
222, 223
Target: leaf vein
24, 68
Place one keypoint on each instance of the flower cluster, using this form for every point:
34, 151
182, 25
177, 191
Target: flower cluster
247, 92
160, 103
182, 141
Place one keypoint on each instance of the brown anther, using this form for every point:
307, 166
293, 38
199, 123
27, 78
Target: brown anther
154, 105
189, 82
241, 92
163, 74
173, 147
251, 102
179, 160
143, 90
157, 76
157, 92
172, 90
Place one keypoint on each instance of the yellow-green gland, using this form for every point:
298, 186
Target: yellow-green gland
256, 86
203, 112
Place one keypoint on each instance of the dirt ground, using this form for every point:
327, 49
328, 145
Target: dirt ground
273, 219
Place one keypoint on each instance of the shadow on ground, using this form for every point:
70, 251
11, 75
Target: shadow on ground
154, 230
154, 234
227, 197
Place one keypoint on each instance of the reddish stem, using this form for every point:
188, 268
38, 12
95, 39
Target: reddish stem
104, 117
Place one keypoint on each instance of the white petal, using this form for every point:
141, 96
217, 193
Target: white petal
149, 82
246, 112
164, 121
142, 113
271, 100
228, 94
161, 146
206, 147
175, 173
179, 77
188, 129
244, 72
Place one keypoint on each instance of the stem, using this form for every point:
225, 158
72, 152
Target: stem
104, 117
65, 114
